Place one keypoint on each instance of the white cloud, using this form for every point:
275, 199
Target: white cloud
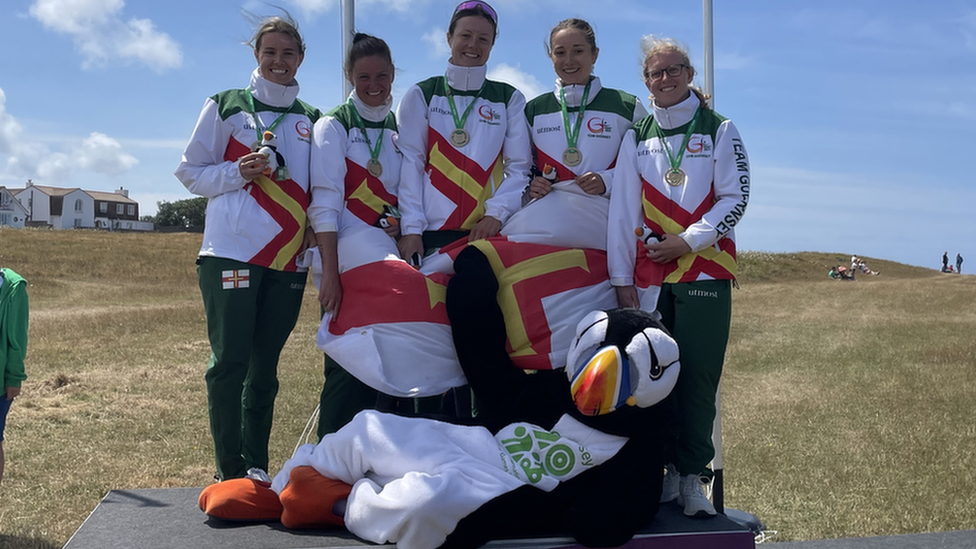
9, 128
313, 8
524, 82
102, 154
101, 35
437, 40
98, 153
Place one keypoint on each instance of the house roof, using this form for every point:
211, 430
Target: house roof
55, 191
97, 195
110, 197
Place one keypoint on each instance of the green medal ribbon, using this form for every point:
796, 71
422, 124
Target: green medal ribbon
676, 162
374, 152
572, 134
459, 122
257, 123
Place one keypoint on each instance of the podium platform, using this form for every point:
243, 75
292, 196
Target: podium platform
168, 518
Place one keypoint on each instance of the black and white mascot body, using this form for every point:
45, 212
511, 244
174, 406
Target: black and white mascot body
574, 452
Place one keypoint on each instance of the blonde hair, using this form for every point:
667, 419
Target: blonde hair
652, 45
284, 24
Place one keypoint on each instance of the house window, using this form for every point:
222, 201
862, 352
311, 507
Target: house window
103, 207
78, 205
4, 219
132, 209
77, 223
120, 209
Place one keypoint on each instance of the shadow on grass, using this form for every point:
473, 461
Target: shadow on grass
25, 542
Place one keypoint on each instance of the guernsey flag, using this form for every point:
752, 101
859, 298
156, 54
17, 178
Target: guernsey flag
543, 292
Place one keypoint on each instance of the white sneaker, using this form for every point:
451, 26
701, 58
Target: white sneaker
691, 496
669, 489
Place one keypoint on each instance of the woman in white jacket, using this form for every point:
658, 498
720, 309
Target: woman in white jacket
464, 141
256, 221
683, 175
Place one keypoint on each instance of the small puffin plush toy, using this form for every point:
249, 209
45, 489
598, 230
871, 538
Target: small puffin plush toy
276, 162
573, 452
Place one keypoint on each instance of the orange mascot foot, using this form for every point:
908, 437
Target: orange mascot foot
240, 499
308, 499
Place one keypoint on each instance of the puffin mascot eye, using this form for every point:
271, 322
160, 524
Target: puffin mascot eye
621, 357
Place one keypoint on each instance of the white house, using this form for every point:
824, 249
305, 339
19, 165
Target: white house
12, 212
77, 208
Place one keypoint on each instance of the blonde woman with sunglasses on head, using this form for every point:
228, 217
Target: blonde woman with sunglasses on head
682, 174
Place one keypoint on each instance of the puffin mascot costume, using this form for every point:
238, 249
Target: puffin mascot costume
575, 451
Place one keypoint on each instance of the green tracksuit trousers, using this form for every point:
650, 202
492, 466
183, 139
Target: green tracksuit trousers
251, 311
698, 314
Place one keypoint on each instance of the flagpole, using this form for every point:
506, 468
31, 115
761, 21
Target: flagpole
709, 52
718, 489
348, 31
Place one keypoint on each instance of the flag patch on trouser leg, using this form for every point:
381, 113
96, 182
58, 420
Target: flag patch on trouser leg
235, 278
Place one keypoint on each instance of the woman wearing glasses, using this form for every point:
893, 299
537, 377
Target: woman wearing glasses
682, 173
576, 129
465, 143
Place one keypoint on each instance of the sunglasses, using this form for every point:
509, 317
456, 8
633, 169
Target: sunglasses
477, 5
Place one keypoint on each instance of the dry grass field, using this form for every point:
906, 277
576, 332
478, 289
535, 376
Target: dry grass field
847, 405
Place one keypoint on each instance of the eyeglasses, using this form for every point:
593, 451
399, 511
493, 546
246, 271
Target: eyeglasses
672, 70
478, 5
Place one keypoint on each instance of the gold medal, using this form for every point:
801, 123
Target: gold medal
675, 177
374, 167
460, 137
572, 157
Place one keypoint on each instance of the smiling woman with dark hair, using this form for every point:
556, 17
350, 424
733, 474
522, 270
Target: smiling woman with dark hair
464, 141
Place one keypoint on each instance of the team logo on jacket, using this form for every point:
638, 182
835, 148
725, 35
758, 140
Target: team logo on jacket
598, 126
235, 278
303, 129
699, 146
489, 114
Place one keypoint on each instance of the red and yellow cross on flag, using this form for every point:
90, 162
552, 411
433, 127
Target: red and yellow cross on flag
664, 216
365, 194
461, 180
235, 278
543, 292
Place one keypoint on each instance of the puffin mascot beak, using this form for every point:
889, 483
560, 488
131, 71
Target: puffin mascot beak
621, 357
603, 383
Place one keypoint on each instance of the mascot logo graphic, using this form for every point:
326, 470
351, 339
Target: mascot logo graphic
303, 129
538, 454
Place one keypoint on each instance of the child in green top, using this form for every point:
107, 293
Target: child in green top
13, 343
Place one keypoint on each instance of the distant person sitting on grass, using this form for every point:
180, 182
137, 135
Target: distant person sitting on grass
844, 272
833, 274
861, 266
958, 263
13, 343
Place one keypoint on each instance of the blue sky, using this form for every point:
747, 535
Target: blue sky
857, 115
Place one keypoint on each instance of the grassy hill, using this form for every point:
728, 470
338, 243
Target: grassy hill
847, 406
